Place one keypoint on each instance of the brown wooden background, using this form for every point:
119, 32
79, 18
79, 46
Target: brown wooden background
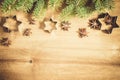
64, 56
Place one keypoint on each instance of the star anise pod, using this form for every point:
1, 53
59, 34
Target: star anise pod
94, 24
27, 32
82, 32
5, 41
65, 25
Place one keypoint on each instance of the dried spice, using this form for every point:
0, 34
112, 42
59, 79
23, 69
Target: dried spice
27, 32
108, 20
65, 25
82, 32
5, 41
94, 24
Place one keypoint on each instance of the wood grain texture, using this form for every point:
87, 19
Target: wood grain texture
63, 55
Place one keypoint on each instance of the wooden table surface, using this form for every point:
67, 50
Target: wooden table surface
63, 55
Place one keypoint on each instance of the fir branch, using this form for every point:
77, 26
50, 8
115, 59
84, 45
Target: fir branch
51, 3
39, 9
80, 3
104, 4
58, 4
55, 4
67, 12
19, 4
6, 5
27, 5
99, 5
11, 5
83, 11
67, 7
109, 4
70, 2
77, 2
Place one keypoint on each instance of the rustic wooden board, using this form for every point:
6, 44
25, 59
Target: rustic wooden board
63, 55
